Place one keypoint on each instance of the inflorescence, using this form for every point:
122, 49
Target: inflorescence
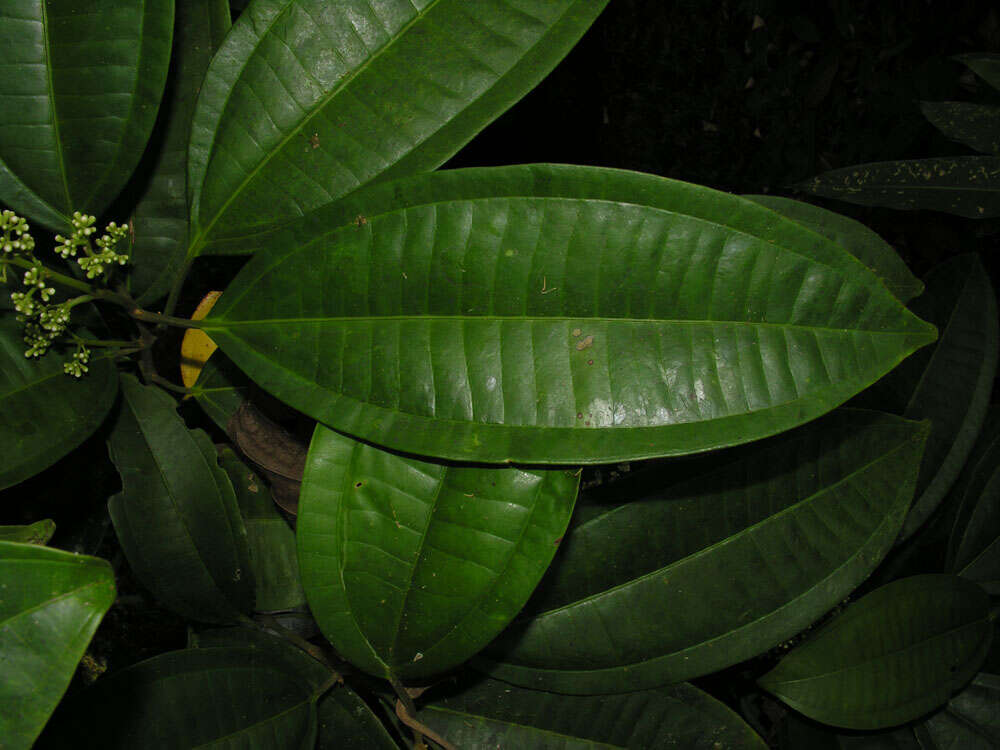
44, 320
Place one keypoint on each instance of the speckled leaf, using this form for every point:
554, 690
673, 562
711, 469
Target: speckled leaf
177, 518
547, 314
235, 697
483, 714
308, 100
721, 567
51, 602
964, 185
36, 533
975, 125
411, 567
80, 85
272, 541
160, 218
44, 413
985, 65
891, 656
864, 244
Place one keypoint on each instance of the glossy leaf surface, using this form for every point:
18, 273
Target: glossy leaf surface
722, 567
44, 413
891, 656
235, 697
864, 244
951, 382
487, 713
177, 518
160, 218
968, 186
559, 315
79, 90
271, 539
975, 125
36, 533
51, 602
307, 101
411, 567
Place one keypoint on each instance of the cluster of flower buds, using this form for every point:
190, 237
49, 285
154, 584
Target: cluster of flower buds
77, 366
94, 263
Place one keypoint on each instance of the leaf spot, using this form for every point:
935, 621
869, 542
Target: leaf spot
576, 332
585, 343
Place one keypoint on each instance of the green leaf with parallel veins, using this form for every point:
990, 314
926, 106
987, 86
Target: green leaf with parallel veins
983, 64
559, 315
864, 244
51, 602
968, 186
36, 533
726, 565
411, 567
951, 382
44, 413
79, 92
486, 714
307, 101
975, 125
271, 539
202, 697
160, 218
891, 656
177, 518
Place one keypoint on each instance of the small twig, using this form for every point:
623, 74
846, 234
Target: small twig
163, 320
164, 383
420, 730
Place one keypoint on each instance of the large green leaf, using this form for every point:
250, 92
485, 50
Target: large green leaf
950, 383
160, 218
51, 602
37, 533
80, 85
985, 65
559, 315
240, 697
890, 657
975, 125
44, 413
970, 721
864, 244
177, 518
307, 101
976, 533
411, 567
485, 714
272, 541
719, 568
964, 185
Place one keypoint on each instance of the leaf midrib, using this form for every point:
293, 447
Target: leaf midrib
198, 241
